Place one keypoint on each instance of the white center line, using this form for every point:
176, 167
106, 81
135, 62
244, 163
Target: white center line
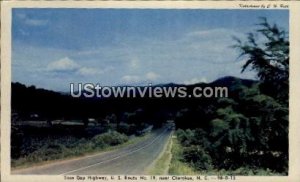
122, 155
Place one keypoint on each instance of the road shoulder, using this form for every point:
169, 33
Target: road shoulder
160, 166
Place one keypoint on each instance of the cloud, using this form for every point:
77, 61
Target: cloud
214, 33
21, 15
204, 33
152, 76
35, 22
88, 71
183, 59
23, 32
195, 80
30, 21
64, 64
68, 65
134, 63
131, 78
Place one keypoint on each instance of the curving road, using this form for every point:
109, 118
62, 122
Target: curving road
132, 159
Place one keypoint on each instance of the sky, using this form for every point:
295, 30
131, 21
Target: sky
52, 48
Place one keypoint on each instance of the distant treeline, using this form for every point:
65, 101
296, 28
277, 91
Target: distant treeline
50, 105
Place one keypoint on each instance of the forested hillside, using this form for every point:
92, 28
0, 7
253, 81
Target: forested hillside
245, 132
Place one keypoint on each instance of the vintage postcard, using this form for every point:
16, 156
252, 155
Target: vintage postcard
150, 91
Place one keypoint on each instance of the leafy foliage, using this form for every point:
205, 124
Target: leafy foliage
269, 56
109, 139
251, 128
198, 157
56, 148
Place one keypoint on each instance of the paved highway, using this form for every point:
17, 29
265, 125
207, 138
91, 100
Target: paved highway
132, 159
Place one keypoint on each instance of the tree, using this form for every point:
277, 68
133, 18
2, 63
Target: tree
267, 52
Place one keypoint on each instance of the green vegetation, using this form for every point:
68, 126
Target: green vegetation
250, 130
178, 166
267, 52
246, 134
35, 142
67, 147
181, 163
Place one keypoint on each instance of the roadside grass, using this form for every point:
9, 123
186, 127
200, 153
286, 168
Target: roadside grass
162, 164
56, 150
179, 167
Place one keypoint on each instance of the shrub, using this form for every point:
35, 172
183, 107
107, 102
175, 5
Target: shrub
185, 137
198, 157
109, 139
48, 152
